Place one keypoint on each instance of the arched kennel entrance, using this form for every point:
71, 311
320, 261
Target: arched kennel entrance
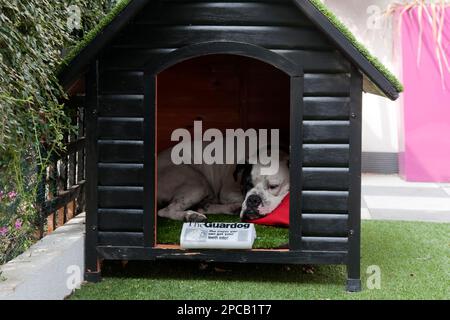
225, 85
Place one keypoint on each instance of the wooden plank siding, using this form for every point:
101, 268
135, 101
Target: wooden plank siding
165, 26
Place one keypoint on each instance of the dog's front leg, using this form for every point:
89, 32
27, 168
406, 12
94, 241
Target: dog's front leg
229, 208
185, 199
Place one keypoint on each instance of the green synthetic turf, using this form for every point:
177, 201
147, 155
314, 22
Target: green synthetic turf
358, 45
92, 34
267, 237
413, 258
319, 5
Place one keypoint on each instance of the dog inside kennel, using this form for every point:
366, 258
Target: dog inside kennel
221, 92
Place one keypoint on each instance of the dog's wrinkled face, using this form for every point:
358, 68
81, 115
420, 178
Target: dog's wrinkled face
263, 194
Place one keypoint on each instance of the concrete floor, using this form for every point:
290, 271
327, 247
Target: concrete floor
389, 197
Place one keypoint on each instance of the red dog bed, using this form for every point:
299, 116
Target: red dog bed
279, 217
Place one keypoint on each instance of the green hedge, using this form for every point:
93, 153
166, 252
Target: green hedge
33, 34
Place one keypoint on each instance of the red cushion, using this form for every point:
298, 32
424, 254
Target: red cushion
279, 217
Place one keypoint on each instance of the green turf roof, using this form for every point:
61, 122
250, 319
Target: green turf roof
358, 45
91, 35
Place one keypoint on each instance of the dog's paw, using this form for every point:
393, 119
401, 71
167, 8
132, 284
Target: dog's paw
192, 216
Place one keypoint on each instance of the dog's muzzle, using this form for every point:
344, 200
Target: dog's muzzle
252, 204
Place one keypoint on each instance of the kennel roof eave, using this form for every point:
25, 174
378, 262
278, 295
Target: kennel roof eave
377, 78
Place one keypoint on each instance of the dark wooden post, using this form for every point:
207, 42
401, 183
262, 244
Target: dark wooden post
296, 163
92, 265
149, 161
81, 158
354, 224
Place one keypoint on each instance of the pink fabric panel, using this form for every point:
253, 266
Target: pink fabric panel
426, 107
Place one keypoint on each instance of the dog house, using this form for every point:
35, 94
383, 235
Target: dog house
162, 64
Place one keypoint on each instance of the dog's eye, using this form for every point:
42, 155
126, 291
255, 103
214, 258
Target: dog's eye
273, 186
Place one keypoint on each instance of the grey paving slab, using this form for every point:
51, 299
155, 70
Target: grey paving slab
389, 197
447, 190
404, 191
426, 204
409, 215
363, 202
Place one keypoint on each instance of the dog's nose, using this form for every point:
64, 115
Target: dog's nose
254, 201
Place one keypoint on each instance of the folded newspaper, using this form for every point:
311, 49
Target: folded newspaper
217, 235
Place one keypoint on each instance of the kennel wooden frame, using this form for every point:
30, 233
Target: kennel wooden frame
116, 75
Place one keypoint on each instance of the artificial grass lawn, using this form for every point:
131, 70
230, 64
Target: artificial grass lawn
413, 257
267, 237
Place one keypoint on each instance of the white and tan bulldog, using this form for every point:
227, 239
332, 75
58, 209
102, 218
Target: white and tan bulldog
190, 192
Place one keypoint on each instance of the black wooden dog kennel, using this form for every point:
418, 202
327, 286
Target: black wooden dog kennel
325, 74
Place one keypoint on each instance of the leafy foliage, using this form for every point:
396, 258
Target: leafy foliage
33, 34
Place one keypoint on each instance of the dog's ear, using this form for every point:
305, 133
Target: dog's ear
285, 158
245, 170
240, 168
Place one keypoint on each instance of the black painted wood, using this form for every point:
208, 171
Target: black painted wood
134, 59
125, 239
326, 155
326, 131
312, 201
324, 244
120, 174
132, 82
354, 225
121, 106
326, 108
121, 197
224, 47
125, 124
177, 16
337, 132
128, 174
330, 179
91, 257
315, 108
120, 151
328, 85
137, 36
317, 61
295, 217
120, 128
313, 225
325, 201
150, 175
225, 13
320, 178
314, 155
324, 225
136, 239
123, 82
261, 256
121, 220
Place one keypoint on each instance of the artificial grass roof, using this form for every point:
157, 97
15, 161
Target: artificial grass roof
92, 34
358, 45
122, 4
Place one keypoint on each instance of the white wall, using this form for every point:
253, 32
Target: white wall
380, 115
50, 269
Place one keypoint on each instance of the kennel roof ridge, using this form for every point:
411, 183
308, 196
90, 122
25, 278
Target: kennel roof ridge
378, 79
